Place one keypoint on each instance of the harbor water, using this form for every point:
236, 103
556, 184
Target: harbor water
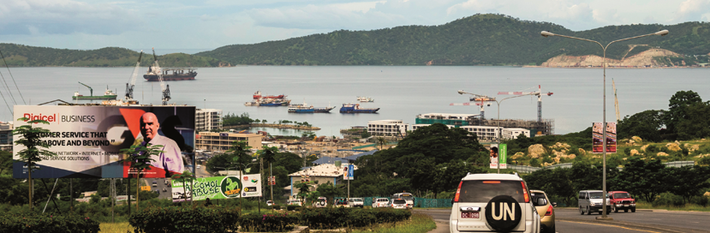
401, 92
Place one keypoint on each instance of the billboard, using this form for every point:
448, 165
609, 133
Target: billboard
218, 187
87, 139
349, 172
597, 137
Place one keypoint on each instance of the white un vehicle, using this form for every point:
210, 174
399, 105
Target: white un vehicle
408, 197
493, 203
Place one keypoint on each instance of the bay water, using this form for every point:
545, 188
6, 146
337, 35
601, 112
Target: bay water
401, 92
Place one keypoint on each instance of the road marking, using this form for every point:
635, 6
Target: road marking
609, 225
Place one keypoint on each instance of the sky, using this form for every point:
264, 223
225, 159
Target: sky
192, 26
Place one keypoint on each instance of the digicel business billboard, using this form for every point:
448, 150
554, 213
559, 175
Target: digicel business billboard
88, 139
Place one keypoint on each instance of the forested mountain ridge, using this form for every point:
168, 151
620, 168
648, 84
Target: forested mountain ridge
482, 39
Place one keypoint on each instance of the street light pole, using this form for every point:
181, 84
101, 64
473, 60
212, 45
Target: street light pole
500, 132
659, 33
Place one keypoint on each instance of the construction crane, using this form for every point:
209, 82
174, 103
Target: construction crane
91, 90
616, 101
479, 100
164, 87
537, 93
132, 82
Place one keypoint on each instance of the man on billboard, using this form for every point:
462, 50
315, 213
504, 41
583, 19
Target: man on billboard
170, 159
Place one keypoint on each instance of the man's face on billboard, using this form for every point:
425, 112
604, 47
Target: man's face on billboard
149, 126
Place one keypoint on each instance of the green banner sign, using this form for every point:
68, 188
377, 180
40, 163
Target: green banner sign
218, 187
502, 153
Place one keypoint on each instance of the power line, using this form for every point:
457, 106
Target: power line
13, 79
7, 88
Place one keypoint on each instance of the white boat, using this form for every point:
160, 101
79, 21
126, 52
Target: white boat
365, 99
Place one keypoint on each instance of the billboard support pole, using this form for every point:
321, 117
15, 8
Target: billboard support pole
71, 195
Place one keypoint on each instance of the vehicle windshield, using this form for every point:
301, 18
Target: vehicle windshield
400, 201
595, 195
621, 195
356, 199
484, 191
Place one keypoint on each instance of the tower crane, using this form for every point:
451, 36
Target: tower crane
132, 82
164, 87
616, 101
537, 93
479, 99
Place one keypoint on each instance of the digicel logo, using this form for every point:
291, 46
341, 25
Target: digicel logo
48, 118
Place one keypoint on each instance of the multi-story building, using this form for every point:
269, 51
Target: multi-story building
6, 135
220, 142
387, 128
417, 126
484, 133
513, 133
208, 119
446, 118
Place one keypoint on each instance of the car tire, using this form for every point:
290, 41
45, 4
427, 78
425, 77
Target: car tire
633, 210
550, 229
589, 211
581, 211
613, 208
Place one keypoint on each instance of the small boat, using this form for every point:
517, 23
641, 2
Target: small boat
257, 95
355, 108
365, 99
252, 103
304, 108
108, 94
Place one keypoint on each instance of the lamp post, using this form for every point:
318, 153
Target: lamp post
658, 33
500, 132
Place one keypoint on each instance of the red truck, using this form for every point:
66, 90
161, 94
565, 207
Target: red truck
622, 200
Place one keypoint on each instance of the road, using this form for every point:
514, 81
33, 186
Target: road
569, 220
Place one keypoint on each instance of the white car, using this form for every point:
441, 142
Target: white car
380, 202
493, 203
355, 202
398, 204
294, 202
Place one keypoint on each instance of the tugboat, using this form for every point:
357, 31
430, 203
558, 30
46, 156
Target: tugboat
355, 108
170, 74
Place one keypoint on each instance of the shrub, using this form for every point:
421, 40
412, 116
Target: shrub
330, 218
699, 200
254, 222
293, 207
668, 199
276, 207
177, 219
26, 221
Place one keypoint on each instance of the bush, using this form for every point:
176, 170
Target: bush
276, 207
254, 222
668, 199
293, 207
331, 218
26, 221
177, 219
700, 200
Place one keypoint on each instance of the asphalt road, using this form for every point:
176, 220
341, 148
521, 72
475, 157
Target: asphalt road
569, 220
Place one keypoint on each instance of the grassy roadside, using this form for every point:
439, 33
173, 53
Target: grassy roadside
119, 227
686, 207
418, 223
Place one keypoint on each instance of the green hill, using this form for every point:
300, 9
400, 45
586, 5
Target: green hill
482, 39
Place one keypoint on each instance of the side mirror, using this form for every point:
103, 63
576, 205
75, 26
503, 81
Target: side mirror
554, 204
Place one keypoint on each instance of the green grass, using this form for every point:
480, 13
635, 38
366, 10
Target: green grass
686, 207
418, 223
119, 227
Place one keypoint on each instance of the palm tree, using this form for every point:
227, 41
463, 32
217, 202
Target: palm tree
139, 158
31, 138
184, 177
269, 156
381, 141
241, 159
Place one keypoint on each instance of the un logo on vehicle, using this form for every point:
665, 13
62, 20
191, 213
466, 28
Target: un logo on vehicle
503, 213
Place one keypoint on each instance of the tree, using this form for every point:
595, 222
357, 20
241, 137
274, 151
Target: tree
139, 158
381, 141
5, 161
641, 178
646, 124
31, 139
329, 191
678, 108
696, 124
269, 155
185, 177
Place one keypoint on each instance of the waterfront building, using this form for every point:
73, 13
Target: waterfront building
208, 119
221, 142
446, 118
387, 128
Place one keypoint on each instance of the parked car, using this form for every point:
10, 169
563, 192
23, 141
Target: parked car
155, 183
321, 202
545, 209
622, 200
493, 203
355, 202
269, 203
591, 201
398, 204
380, 202
294, 202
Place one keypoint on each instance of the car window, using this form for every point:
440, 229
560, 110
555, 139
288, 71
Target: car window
535, 196
357, 199
595, 195
400, 202
621, 195
484, 191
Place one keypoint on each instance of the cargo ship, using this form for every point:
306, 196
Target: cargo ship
355, 108
269, 102
170, 74
304, 108
108, 95
257, 95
